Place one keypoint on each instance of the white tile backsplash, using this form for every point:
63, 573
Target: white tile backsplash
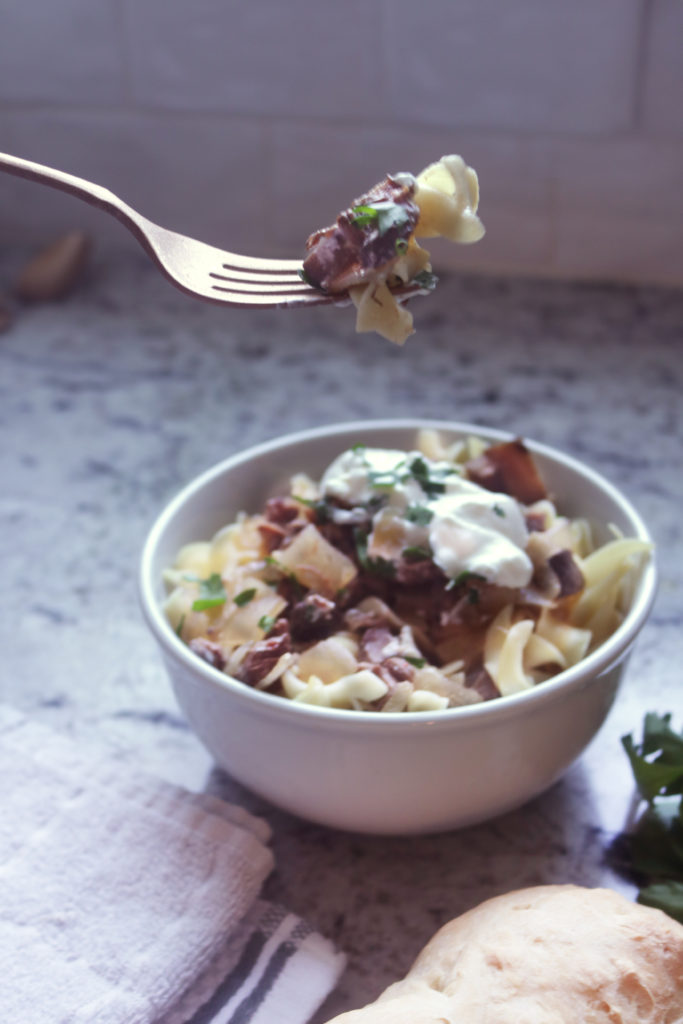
250, 124
662, 99
71, 51
263, 57
530, 65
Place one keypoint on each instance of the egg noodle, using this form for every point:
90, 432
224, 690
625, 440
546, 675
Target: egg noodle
334, 598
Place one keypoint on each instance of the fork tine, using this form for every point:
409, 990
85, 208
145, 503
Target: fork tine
258, 277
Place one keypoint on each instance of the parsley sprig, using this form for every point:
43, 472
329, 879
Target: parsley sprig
211, 593
655, 847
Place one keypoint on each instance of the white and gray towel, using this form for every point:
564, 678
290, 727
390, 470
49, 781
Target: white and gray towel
126, 900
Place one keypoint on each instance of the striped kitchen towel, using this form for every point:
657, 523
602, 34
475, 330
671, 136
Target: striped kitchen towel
126, 900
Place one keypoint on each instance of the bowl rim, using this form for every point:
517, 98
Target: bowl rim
595, 664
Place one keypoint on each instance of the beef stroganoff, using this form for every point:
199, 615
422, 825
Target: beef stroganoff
372, 248
404, 581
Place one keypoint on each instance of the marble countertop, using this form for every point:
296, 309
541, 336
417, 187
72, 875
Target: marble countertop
110, 401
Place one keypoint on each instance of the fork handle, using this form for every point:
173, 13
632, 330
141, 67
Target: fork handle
91, 193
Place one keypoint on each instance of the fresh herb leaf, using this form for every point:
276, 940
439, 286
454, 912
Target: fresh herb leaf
319, 506
401, 246
211, 593
361, 216
266, 623
379, 566
304, 276
432, 479
499, 511
245, 596
419, 514
415, 553
417, 662
425, 279
465, 576
655, 846
358, 447
179, 627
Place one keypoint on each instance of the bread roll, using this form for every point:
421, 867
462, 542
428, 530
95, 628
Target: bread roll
556, 954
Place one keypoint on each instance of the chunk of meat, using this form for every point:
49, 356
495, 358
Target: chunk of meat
263, 656
377, 643
281, 510
508, 468
362, 246
313, 618
570, 577
478, 679
208, 651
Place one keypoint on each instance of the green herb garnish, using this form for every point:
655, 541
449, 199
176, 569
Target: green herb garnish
499, 511
304, 276
266, 623
361, 216
416, 554
319, 506
432, 479
417, 662
179, 627
379, 566
385, 216
465, 576
245, 596
419, 514
401, 246
655, 846
211, 593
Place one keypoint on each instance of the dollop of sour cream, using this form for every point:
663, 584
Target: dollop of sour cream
429, 504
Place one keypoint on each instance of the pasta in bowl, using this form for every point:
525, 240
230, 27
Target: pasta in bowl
404, 626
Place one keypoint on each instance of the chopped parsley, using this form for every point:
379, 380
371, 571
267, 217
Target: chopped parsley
245, 596
419, 514
416, 662
385, 216
179, 627
266, 623
319, 506
499, 511
416, 554
401, 246
655, 847
432, 479
379, 566
387, 479
466, 576
361, 216
211, 593
304, 276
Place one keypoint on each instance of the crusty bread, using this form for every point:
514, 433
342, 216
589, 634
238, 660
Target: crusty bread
556, 954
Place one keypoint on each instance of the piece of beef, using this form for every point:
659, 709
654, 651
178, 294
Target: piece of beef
508, 468
208, 651
376, 644
477, 678
361, 246
570, 577
263, 657
313, 618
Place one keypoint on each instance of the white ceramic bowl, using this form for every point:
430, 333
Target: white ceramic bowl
397, 773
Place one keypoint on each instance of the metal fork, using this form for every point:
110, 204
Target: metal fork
196, 268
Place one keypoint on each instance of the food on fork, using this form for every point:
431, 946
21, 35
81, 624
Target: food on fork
404, 581
372, 247
556, 954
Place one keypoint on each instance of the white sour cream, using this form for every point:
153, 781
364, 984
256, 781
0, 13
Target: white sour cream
470, 529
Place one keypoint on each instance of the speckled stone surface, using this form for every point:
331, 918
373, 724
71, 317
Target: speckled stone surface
111, 401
